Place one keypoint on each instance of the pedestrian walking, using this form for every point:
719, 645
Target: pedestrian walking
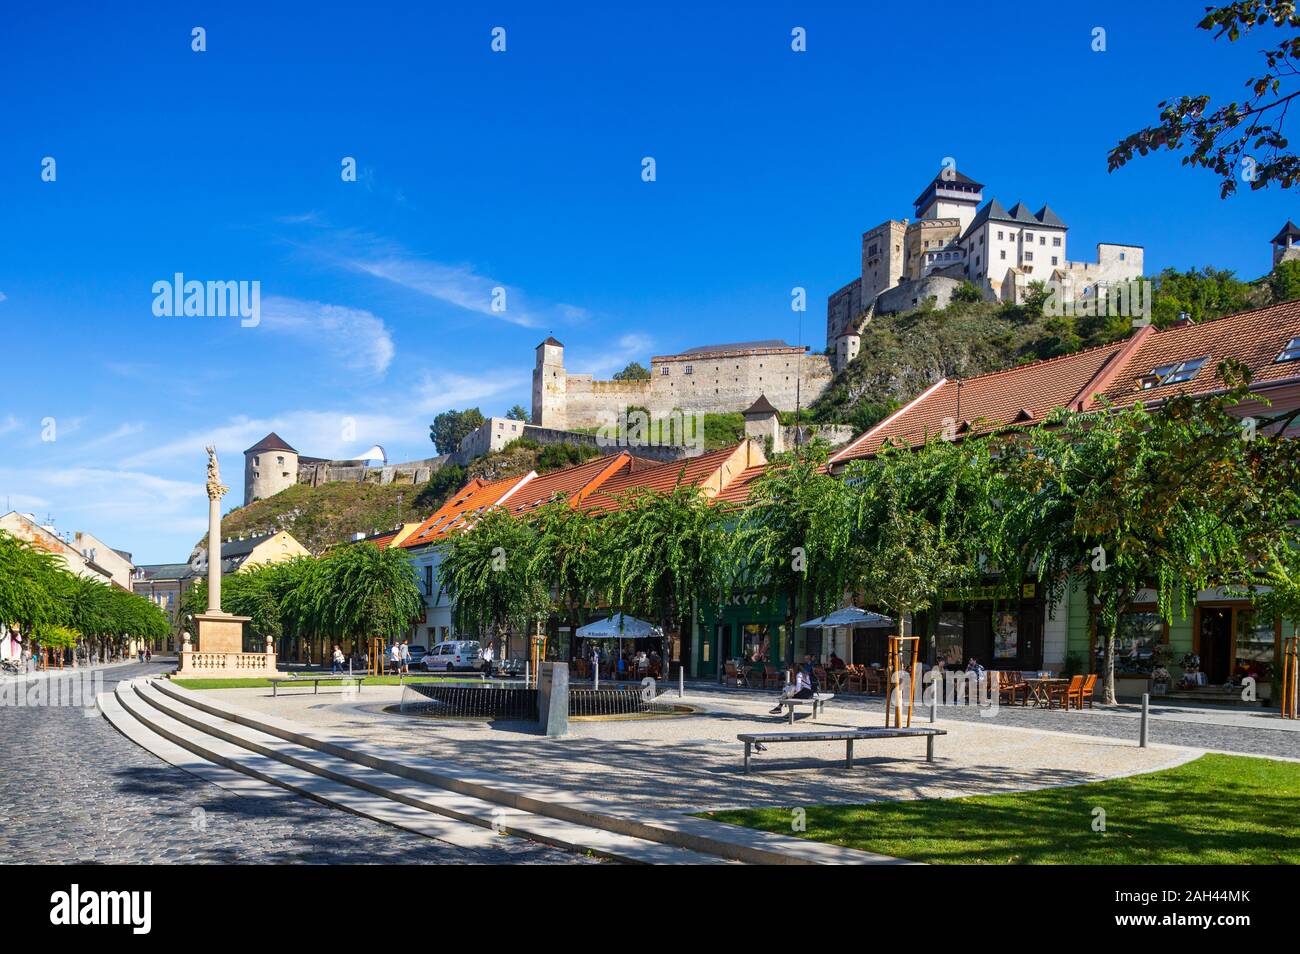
395, 657
406, 657
489, 653
337, 661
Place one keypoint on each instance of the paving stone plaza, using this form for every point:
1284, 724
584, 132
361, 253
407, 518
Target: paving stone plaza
77, 790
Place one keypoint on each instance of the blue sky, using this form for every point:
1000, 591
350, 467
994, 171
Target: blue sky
518, 169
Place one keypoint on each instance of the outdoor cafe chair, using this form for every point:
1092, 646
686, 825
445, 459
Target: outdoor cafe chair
1085, 691
1064, 693
771, 677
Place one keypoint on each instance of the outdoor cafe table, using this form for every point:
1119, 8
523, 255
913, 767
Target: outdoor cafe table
1038, 690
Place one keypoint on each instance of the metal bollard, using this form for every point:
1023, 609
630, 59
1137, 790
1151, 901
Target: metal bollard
681, 682
935, 686
1142, 736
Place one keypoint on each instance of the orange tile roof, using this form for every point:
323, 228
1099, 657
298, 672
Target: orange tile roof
737, 492
594, 485
575, 483
1029, 392
474, 497
693, 471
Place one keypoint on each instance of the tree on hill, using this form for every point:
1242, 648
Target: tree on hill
634, 371
517, 413
450, 427
1239, 141
444, 482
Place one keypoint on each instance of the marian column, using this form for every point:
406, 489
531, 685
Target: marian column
216, 490
221, 634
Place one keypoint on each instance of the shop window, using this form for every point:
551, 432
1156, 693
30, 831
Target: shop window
756, 642
948, 641
1006, 635
1139, 633
1256, 647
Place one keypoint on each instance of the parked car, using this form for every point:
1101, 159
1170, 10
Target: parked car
455, 655
417, 655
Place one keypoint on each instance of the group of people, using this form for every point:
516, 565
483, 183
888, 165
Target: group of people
145, 654
625, 662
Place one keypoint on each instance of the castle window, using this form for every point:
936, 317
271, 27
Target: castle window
999, 236
1029, 256
665, 370
1029, 236
1003, 254
1056, 241
1053, 259
1121, 256
688, 370
280, 461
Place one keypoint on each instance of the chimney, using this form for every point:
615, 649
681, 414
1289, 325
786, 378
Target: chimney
1184, 319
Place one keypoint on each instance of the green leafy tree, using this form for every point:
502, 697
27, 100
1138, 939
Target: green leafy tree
444, 482
634, 371
353, 593
1202, 294
1284, 281
517, 413
663, 548
28, 578
794, 540
570, 557
450, 427
1178, 498
489, 573
920, 522
1237, 140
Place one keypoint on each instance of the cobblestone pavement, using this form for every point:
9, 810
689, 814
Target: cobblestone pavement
74, 790
1169, 725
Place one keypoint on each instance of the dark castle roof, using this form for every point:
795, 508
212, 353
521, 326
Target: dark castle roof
761, 406
1018, 214
952, 179
272, 441
1289, 231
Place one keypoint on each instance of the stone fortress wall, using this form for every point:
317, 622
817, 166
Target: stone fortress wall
715, 379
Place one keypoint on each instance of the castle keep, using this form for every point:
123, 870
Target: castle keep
712, 379
954, 239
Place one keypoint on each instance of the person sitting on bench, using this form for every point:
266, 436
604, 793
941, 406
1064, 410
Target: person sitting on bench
801, 688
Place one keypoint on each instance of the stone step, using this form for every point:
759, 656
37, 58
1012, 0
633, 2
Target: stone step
697, 835
234, 782
486, 817
271, 771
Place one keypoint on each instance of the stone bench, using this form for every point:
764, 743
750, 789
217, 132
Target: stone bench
315, 681
847, 736
817, 700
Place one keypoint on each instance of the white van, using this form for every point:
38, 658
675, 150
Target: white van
455, 655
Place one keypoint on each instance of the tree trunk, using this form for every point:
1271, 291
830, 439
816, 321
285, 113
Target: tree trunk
1108, 684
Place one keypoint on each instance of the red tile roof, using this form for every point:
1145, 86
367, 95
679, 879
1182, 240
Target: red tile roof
1114, 371
693, 471
474, 497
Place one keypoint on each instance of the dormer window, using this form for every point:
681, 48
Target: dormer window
1173, 373
1291, 352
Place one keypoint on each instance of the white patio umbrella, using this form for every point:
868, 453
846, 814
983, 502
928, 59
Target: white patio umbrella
848, 616
619, 626
851, 616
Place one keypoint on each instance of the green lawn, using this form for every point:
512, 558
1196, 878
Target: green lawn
306, 681
1218, 809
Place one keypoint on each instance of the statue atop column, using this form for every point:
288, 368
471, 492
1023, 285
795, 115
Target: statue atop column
216, 489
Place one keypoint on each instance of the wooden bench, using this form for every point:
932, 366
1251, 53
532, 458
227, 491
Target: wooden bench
847, 736
316, 681
817, 700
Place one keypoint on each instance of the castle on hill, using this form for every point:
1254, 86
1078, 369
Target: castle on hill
954, 239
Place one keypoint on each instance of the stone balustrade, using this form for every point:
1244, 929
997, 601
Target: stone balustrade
228, 663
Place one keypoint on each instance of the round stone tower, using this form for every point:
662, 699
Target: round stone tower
270, 466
